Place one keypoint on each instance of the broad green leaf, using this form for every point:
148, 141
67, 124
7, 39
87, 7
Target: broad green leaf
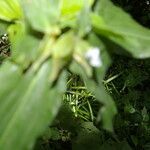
118, 26
10, 10
43, 15
27, 105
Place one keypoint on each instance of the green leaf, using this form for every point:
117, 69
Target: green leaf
118, 26
10, 10
70, 8
70, 11
43, 15
27, 105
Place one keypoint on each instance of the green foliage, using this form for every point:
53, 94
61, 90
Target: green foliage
131, 93
26, 104
126, 33
49, 39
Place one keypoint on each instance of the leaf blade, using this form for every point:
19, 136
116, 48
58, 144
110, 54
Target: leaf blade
35, 103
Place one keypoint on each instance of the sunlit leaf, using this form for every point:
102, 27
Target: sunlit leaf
10, 10
70, 11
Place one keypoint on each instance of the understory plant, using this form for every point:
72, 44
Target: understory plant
50, 40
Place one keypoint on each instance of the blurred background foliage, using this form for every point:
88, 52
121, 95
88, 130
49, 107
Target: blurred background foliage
127, 80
